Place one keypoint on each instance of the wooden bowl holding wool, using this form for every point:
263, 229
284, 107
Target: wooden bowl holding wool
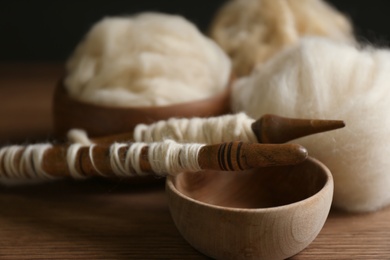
141, 69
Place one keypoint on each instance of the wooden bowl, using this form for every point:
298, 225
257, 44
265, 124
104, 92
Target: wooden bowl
105, 120
268, 213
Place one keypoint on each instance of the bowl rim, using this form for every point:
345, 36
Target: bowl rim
328, 185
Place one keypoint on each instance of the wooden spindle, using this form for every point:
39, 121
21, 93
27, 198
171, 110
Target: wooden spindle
240, 156
276, 129
233, 156
268, 129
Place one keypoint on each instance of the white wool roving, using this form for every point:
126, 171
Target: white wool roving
252, 31
146, 60
327, 80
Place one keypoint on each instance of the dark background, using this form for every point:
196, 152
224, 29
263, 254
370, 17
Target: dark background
50, 29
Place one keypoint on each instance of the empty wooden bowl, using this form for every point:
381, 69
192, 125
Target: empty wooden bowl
267, 213
105, 120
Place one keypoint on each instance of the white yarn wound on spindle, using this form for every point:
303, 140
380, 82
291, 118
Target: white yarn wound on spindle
27, 162
30, 163
117, 165
173, 158
132, 159
78, 136
71, 159
327, 80
199, 130
90, 154
32, 159
9, 161
166, 157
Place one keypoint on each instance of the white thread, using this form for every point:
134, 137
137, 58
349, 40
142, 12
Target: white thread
71, 159
133, 157
7, 155
9, 161
166, 157
189, 157
78, 136
199, 130
30, 163
33, 162
116, 163
26, 163
90, 154
173, 158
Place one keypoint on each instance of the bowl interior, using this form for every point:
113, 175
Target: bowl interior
258, 188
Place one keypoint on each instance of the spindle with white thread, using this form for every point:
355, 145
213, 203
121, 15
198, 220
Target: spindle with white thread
227, 128
134, 159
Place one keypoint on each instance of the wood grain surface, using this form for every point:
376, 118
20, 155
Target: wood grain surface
100, 219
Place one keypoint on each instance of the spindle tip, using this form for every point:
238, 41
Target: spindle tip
300, 152
265, 155
277, 129
287, 154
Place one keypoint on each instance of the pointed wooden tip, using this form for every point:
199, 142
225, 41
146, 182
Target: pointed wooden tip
276, 129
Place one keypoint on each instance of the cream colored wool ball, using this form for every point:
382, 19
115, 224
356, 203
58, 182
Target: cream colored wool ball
252, 31
146, 60
321, 79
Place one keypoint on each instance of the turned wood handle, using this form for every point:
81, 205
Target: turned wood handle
239, 156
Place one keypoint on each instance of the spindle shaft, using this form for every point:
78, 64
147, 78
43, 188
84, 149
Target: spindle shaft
132, 159
268, 129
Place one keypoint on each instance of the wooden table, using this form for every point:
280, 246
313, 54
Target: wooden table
99, 219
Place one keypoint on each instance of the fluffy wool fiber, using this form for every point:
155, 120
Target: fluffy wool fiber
252, 31
145, 60
327, 80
